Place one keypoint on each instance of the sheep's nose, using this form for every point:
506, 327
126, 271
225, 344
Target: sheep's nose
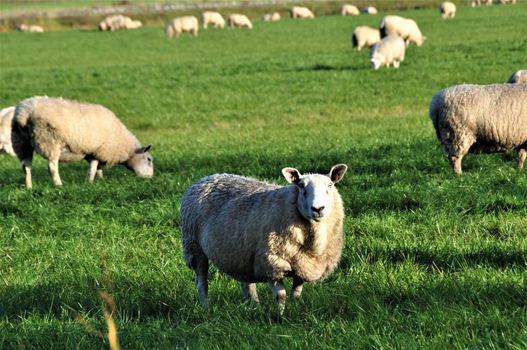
318, 210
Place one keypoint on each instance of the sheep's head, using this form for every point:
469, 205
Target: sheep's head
315, 191
141, 162
376, 60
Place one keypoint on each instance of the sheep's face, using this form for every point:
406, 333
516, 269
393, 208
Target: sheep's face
376, 61
142, 162
315, 191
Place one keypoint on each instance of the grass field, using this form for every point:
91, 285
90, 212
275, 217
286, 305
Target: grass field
431, 260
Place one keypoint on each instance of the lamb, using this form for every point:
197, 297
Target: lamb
365, 36
447, 9
348, 9
301, 12
481, 119
260, 232
389, 50
271, 17
370, 10
180, 25
31, 28
406, 28
214, 18
519, 77
66, 131
237, 20
6, 118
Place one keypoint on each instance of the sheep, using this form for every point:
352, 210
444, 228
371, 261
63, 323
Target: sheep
214, 18
406, 28
370, 10
237, 20
118, 22
390, 49
519, 77
365, 36
259, 232
479, 2
271, 17
301, 12
6, 117
348, 9
447, 9
32, 28
481, 119
504, 2
179, 25
66, 131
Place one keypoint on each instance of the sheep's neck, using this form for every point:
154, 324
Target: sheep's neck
317, 239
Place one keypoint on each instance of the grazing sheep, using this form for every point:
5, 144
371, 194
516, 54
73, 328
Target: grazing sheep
32, 28
351, 10
214, 18
370, 10
271, 17
179, 25
301, 12
504, 2
241, 21
447, 9
66, 131
390, 49
259, 232
406, 28
480, 2
365, 36
481, 119
6, 118
118, 22
519, 77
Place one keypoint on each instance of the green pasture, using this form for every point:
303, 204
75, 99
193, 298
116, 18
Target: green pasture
431, 261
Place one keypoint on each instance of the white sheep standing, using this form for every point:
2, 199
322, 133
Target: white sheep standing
271, 17
481, 119
370, 10
178, 25
519, 77
447, 9
349, 10
64, 130
6, 118
390, 50
259, 232
214, 18
238, 20
406, 28
301, 12
31, 28
365, 36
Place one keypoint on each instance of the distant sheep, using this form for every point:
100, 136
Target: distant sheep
271, 17
504, 2
301, 12
481, 119
365, 36
6, 118
390, 50
118, 22
519, 77
259, 232
238, 20
481, 2
406, 28
349, 10
178, 25
213, 18
447, 9
66, 131
32, 28
370, 10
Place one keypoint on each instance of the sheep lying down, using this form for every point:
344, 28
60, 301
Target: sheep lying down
260, 232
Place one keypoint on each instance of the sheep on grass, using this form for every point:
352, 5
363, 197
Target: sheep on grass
406, 28
259, 232
214, 18
519, 77
64, 130
481, 119
238, 20
348, 9
390, 50
271, 17
301, 12
365, 36
6, 118
447, 9
178, 25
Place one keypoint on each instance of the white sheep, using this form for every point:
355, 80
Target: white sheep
390, 50
214, 18
301, 12
481, 119
118, 22
238, 20
447, 9
6, 118
178, 25
406, 28
350, 10
64, 130
31, 28
271, 17
504, 2
259, 232
365, 36
519, 77
480, 2
370, 10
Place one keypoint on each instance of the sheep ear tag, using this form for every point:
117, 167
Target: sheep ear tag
291, 175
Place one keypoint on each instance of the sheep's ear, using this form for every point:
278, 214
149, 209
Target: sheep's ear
143, 149
291, 175
337, 172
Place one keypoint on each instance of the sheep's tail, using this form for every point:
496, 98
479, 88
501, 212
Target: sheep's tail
354, 40
436, 111
22, 113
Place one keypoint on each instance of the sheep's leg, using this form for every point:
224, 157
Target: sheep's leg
202, 284
99, 173
396, 64
279, 294
522, 155
26, 166
53, 167
249, 291
92, 170
298, 284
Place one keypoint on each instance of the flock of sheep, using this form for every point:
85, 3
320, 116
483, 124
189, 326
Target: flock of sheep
278, 231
